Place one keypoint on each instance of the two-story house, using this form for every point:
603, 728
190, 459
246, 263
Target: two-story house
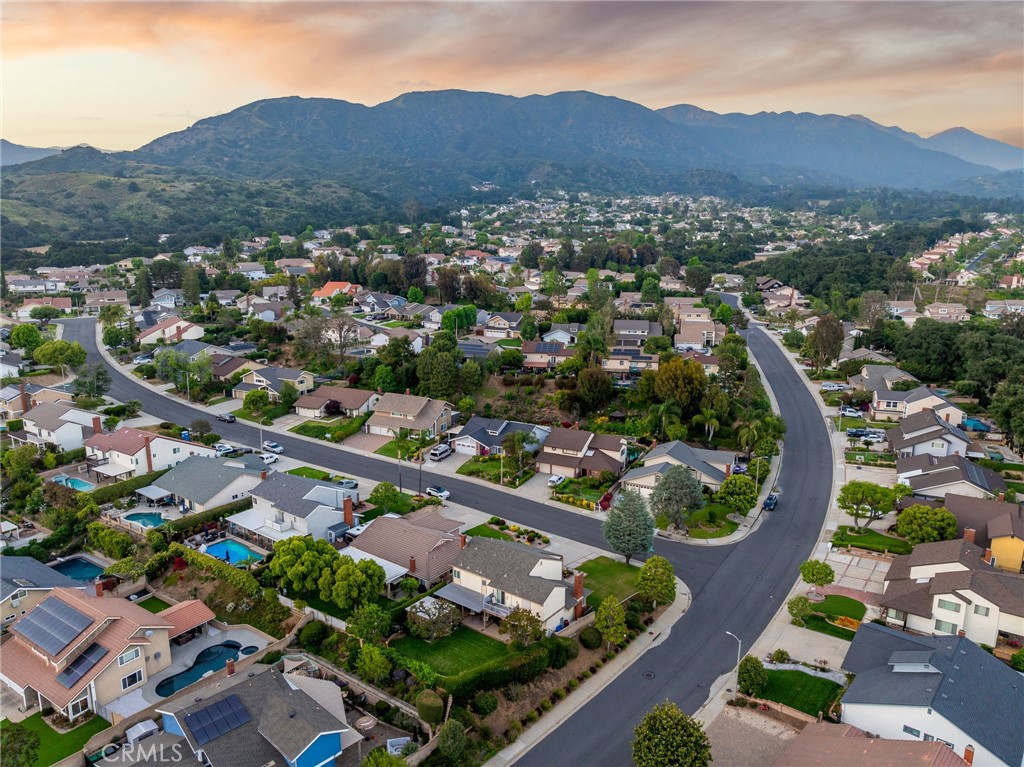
382, 335
271, 379
711, 467
946, 312
564, 333
492, 578
927, 432
998, 308
168, 298
874, 377
420, 415
16, 400
933, 478
98, 299
373, 302
628, 362
503, 325
688, 309
131, 452
55, 423
171, 331
24, 582
995, 526
331, 289
634, 332
576, 453
887, 405
544, 355
252, 270
708, 362
408, 312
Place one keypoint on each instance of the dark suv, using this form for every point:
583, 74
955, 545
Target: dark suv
770, 502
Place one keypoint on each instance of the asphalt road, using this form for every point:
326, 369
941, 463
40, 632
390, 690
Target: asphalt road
735, 588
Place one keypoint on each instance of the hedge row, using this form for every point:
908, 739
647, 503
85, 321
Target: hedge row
123, 489
521, 667
240, 579
210, 515
574, 500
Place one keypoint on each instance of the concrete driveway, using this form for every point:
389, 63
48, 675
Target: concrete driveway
370, 443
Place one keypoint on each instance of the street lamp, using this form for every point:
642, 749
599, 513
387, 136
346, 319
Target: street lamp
261, 430
739, 650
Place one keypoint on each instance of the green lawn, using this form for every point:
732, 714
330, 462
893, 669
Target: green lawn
266, 416
53, 746
580, 490
860, 423
837, 604
870, 540
1017, 487
405, 504
314, 429
217, 401
822, 626
393, 324
608, 577
314, 601
486, 531
801, 691
310, 473
866, 458
463, 650
511, 343
390, 449
153, 604
698, 518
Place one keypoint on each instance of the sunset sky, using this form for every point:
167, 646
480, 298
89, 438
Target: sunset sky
117, 75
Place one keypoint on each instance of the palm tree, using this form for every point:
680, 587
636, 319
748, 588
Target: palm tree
707, 418
589, 346
403, 443
111, 316
668, 414
748, 435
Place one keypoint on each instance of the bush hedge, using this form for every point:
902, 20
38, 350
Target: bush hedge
157, 563
430, 707
15, 424
240, 579
122, 489
521, 667
210, 515
590, 638
485, 703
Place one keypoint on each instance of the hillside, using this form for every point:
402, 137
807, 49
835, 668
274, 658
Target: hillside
14, 154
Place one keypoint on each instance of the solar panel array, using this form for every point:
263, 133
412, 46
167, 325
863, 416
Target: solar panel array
547, 347
81, 665
52, 625
217, 719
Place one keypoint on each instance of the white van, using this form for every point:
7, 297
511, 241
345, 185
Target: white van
439, 453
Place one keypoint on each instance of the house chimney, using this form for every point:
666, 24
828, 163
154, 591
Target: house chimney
98, 588
230, 666
407, 391
462, 541
412, 564
728, 469
263, 474
349, 518
1002, 497
988, 556
969, 754
969, 534
97, 424
380, 390
26, 401
149, 453
577, 592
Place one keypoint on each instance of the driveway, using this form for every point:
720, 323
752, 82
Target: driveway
370, 443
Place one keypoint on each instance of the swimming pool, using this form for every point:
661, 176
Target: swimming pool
74, 483
79, 568
233, 552
146, 518
211, 659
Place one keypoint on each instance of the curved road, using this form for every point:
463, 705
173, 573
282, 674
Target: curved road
735, 588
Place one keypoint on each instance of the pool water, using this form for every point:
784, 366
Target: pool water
232, 551
79, 568
211, 659
146, 518
74, 483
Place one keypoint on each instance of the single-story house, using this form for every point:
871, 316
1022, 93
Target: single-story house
484, 436
171, 330
564, 333
332, 289
822, 744
200, 483
24, 312
874, 377
932, 477
100, 298
711, 467
382, 335
427, 553
352, 402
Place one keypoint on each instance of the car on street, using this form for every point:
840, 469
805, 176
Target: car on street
556, 480
143, 359
832, 386
273, 447
849, 412
347, 484
268, 458
226, 418
438, 492
873, 438
770, 502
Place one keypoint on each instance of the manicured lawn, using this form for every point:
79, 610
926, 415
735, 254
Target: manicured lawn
699, 518
822, 626
801, 691
310, 473
153, 604
511, 343
266, 416
860, 423
866, 458
314, 429
837, 604
577, 488
463, 650
486, 531
53, 746
404, 506
608, 577
314, 601
393, 324
217, 400
870, 541
1017, 487
390, 449
490, 470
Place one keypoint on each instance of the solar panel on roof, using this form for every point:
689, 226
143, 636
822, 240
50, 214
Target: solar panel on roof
52, 625
217, 719
81, 665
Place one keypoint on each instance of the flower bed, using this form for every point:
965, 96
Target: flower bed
517, 533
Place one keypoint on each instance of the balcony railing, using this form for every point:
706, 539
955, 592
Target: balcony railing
492, 607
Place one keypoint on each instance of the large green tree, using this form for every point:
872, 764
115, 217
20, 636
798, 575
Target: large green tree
26, 337
610, 620
657, 581
681, 380
629, 526
923, 524
65, 355
817, 573
666, 737
19, 745
865, 500
825, 341
677, 494
738, 492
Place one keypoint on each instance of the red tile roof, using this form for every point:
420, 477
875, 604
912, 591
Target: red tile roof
186, 616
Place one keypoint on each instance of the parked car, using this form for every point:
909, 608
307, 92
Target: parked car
438, 492
740, 468
857, 432
273, 447
556, 480
226, 418
849, 412
268, 458
143, 359
770, 502
223, 449
873, 438
832, 386
347, 484
439, 453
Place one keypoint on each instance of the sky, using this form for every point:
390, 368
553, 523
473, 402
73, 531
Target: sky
119, 74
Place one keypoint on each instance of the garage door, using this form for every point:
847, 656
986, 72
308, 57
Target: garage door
465, 447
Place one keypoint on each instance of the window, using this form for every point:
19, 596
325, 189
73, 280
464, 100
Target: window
131, 680
945, 627
175, 451
79, 707
929, 738
911, 731
10, 617
456, 575
981, 610
127, 657
21, 594
897, 615
945, 604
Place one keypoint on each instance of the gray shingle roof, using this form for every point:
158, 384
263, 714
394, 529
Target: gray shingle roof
481, 429
198, 478
507, 566
287, 492
694, 457
28, 573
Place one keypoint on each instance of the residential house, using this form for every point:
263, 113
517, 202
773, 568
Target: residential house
485, 436
424, 551
995, 526
688, 309
168, 298
474, 348
564, 333
408, 312
492, 578
949, 588
60, 424
544, 355
224, 367
272, 379
420, 415
76, 653
24, 311
947, 312
887, 405
195, 349
16, 400
635, 332
252, 270
769, 283
711, 467
1011, 282
502, 325
373, 303
698, 335
575, 452
998, 308
24, 582
822, 744
98, 299
262, 717
944, 689
628, 362
351, 402
226, 297
382, 335
709, 362
962, 278
200, 483
11, 364
275, 292
271, 311
284, 505
171, 330
899, 308
932, 477
860, 355
927, 432
131, 453
432, 319
874, 377
250, 303
295, 263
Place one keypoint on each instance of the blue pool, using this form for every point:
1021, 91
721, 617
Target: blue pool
79, 568
232, 551
210, 659
146, 518
74, 483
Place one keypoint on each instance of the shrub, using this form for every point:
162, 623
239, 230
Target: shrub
430, 707
546, 704
590, 638
780, 656
633, 621
532, 717
156, 540
514, 729
122, 489
313, 635
485, 703
241, 580
560, 651
513, 691
271, 657
157, 563
559, 693
573, 684
1017, 660
210, 515
521, 667
587, 673
451, 741
752, 676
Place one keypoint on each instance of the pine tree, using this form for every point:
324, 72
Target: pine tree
629, 527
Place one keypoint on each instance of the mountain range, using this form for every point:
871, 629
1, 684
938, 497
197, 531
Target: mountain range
435, 146
15, 154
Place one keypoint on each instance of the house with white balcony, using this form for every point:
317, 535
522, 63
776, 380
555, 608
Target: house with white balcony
132, 452
54, 423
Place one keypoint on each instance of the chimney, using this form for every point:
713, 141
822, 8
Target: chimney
407, 391
462, 541
263, 474
969, 754
728, 470
1002, 497
988, 556
98, 588
577, 592
149, 453
412, 564
380, 390
969, 534
230, 666
26, 401
97, 424
349, 518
